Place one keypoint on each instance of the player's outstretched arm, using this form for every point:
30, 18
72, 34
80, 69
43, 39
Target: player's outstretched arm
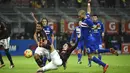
52, 37
89, 7
35, 38
32, 14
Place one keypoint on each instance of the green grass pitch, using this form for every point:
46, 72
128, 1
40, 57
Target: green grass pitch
117, 64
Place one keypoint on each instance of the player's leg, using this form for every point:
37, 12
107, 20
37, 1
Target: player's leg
56, 58
2, 62
96, 60
89, 57
90, 42
38, 59
9, 58
89, 60
99, 54
44, 60
79, 54
6, 48
38, 55
111, 50
55, 62
84, 51
88, 53
47, 67
46, 57
81, 48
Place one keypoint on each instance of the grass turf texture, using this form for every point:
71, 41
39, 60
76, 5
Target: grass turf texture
117, 64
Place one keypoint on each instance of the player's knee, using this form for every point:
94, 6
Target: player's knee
79, 51
36, 56
58, 62
6, 51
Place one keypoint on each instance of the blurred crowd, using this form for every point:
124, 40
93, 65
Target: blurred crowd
21, 36
67, 3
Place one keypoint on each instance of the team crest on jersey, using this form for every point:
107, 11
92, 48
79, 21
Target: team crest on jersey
99, 26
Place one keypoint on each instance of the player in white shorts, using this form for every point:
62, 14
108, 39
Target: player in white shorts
59, 59
44, 48
56, 61
5, 43
40, 52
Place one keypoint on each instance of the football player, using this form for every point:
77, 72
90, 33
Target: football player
4, 43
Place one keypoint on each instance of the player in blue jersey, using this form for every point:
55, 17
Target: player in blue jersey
46, 28
48, 31
98, 34
80, 46
86, 34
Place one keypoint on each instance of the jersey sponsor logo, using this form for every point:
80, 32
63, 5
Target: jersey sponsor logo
84, 24
95, 31
99, 26
47, 31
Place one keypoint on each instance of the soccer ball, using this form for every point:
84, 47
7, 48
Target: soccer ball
28, 53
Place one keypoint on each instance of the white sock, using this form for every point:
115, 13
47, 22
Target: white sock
49, 66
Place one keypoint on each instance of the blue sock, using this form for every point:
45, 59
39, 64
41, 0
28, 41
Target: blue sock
99, 56
98, 61
44, 61
103, 50
79, 57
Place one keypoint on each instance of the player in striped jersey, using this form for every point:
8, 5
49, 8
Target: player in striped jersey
87, 26
48, 31
5, 43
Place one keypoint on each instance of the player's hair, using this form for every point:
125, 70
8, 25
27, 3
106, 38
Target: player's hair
81, 12
39, 23
95, 15
44, 19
